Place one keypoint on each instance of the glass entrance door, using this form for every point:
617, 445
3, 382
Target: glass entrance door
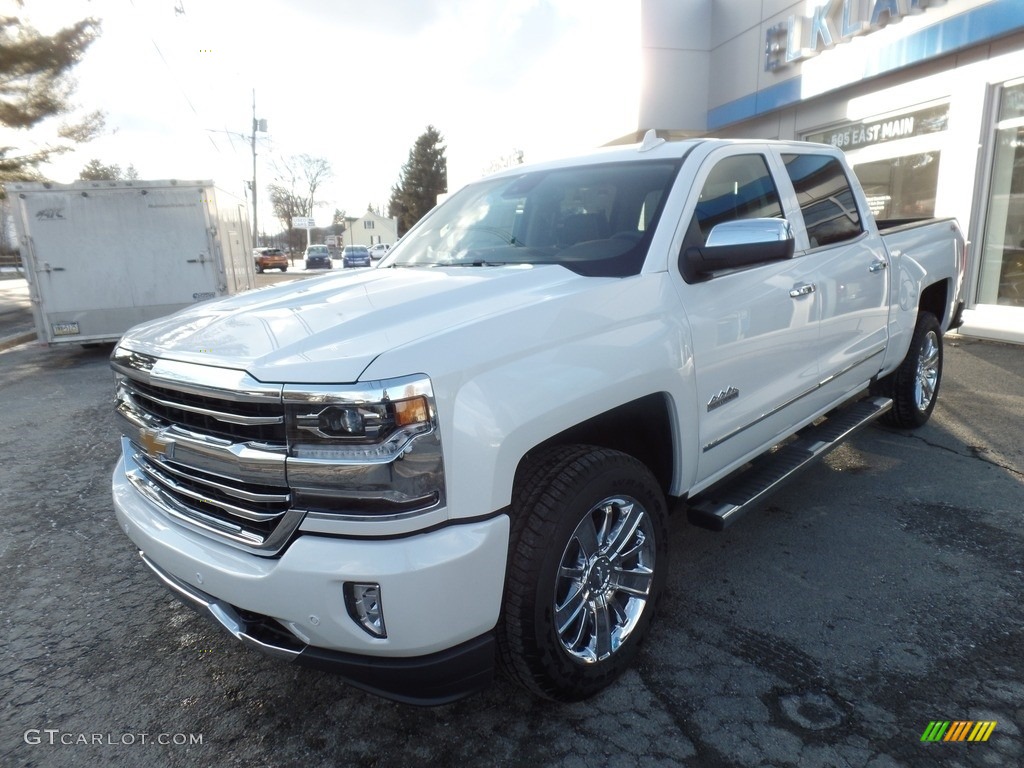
1001, 280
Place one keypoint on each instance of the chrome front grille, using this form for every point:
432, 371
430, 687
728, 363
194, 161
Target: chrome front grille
208, 447
255, 504
212, 416
237, 460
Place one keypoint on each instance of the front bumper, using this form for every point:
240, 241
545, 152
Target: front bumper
441, 594
437, 678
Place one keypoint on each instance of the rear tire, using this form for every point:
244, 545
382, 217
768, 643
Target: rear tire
587, 563
914, 386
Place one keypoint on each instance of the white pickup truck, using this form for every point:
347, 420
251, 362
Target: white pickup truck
465, 457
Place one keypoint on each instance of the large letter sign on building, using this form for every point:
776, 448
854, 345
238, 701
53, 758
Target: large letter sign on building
832, 22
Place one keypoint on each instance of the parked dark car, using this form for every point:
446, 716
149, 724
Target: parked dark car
270, 258
355, 256
318, 257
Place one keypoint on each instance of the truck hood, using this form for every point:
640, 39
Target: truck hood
329, 329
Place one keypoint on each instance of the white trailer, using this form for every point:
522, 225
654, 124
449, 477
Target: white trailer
103, 256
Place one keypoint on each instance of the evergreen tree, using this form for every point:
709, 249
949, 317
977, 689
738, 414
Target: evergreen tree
94, 170
35, 85
423, 178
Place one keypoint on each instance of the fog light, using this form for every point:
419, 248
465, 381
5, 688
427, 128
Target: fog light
364, 606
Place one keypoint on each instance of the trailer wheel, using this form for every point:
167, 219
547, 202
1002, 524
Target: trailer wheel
586, 566
914, 386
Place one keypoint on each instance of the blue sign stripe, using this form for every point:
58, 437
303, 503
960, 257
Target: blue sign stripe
978, 25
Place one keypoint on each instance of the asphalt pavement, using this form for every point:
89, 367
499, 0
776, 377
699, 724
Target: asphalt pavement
879, 593
16, 324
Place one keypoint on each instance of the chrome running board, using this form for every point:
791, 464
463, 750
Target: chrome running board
726, 502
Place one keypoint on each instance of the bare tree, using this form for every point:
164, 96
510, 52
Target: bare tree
287, 205
294, 194
315, 171
301, 176
514, 158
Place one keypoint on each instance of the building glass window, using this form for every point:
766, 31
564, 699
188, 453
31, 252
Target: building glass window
903, 187
895, 157
1002, 251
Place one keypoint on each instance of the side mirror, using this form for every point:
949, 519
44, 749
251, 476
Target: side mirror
740, 243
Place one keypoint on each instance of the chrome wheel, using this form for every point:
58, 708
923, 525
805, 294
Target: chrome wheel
587, 561
604, 579
927, 372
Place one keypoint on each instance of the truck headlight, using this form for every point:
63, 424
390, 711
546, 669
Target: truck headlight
368, 449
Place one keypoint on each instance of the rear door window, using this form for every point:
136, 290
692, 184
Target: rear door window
826, 198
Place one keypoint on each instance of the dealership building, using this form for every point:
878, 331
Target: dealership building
926, 97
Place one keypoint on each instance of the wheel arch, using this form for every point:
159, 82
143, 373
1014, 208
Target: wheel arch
641, 428
935, 299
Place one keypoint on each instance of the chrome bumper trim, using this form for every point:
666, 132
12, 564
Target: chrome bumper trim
207, 524
222, 613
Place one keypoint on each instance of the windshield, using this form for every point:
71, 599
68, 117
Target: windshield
595, 220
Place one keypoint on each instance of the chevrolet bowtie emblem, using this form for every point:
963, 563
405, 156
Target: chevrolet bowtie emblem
155, 445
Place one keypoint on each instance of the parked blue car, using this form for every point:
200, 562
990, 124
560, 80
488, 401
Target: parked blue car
355, 256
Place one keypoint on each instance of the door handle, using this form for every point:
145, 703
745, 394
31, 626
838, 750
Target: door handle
877, 265
802, 289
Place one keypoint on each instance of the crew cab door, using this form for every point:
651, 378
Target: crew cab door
851, 269
754, 329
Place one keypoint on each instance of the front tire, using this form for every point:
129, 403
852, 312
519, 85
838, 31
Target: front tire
914, 386
587, 563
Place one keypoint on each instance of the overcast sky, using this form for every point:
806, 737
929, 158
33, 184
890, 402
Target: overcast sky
353, 81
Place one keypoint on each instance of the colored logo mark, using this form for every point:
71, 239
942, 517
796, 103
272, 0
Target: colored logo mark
958, 730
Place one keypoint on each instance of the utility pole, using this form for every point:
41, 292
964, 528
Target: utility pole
257, 125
